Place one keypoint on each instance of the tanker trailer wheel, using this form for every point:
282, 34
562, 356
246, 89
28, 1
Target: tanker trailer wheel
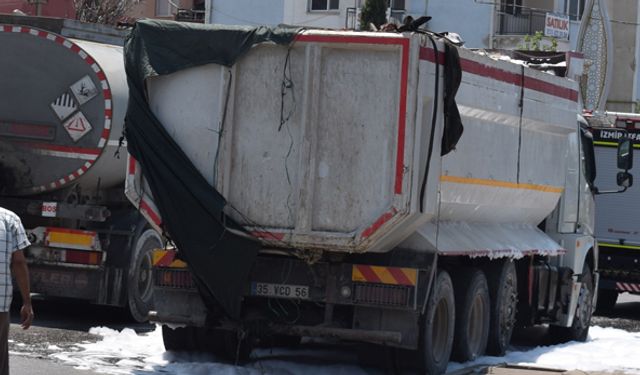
579, 330
228, 345
503, 290
139, 280
472, 315
607, 299
438, 327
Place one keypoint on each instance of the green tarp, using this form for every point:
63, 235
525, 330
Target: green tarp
192, 210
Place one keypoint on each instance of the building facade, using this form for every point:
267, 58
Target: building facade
333, 14
160, 9
481, 24
166, 9
46, 8
515, 18
624, 18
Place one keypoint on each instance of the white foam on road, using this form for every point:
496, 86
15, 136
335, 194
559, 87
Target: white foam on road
607, 349
125, 352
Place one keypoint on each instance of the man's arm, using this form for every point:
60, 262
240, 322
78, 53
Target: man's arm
21, 274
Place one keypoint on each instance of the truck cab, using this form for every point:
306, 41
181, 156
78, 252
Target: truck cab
616, 229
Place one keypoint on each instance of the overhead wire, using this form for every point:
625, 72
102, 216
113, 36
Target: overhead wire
220, 130
287, 85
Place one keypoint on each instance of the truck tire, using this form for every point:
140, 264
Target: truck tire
472, 315
607, 299
503, 290
227, 345
224, 344
579, 330
139, 280
438, 327
179, 339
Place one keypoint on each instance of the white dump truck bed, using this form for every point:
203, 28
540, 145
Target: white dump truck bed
325, 144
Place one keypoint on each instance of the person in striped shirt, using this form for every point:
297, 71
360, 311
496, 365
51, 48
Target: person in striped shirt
13, 240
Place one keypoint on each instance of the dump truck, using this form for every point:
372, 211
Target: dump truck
387, 188
617, 231
61, 117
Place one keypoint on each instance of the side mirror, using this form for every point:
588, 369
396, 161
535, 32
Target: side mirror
624, 179
625, 155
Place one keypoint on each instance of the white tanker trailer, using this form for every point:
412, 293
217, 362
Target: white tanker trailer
61, 114
375, 218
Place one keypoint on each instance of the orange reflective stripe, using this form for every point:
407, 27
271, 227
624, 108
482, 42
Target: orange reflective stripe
384, 275
78, 239
177, 263
501, 184
166, 258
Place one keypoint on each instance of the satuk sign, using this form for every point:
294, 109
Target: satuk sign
556, 25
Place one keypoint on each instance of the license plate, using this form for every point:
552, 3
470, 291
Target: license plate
280, 290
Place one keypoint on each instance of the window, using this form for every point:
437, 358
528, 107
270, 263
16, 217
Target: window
588, 156
396, 4
512, 7
574, 8
324, 4
393, 4
164, 8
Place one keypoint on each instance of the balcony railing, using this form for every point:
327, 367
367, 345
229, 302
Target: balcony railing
525, 22
352, 20
190, 15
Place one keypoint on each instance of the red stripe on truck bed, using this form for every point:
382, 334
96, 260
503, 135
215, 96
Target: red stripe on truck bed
268, 235
402, 120
378, 223
474, 67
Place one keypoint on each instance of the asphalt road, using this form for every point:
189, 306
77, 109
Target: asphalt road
626, 314
60, 324
64, 323
20, 365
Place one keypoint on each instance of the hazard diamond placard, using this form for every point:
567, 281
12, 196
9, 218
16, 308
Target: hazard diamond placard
84, 90
77, 126
64, 106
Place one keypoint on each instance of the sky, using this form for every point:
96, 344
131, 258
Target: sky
125, 352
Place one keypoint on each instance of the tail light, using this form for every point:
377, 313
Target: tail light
173, 278
93, 258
